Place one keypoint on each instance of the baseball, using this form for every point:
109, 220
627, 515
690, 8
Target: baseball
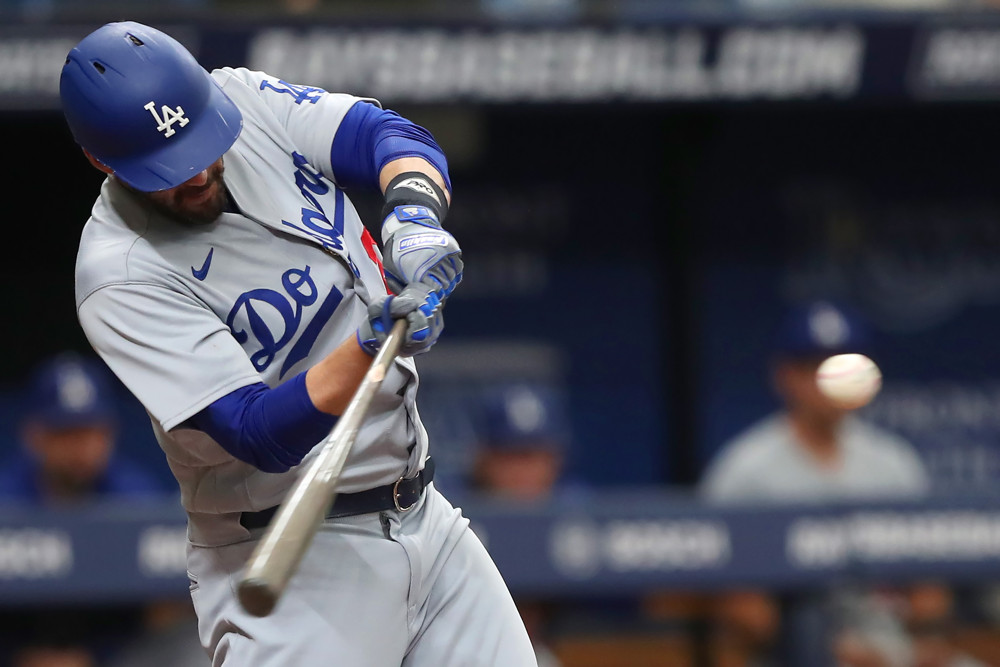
849, 380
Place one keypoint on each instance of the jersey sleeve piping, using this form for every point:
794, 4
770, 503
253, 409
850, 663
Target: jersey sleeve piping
128, 255
125, 266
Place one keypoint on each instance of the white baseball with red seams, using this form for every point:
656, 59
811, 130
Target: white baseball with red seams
849, 380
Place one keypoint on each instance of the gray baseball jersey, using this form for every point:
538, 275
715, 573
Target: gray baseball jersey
185, 315
766, 464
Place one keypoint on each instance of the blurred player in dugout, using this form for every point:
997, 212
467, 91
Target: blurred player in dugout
522, 436
522, 443
68, 436
68, 457
812, 451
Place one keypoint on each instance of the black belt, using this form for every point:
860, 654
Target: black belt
401, 495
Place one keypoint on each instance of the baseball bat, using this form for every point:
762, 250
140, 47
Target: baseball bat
298, 518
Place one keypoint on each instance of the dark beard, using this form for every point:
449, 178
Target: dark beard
207, 213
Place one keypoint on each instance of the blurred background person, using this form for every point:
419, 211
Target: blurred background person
68, 436
813, 451
69, 458
521, 450
520, 455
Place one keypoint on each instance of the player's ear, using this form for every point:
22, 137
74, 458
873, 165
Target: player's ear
97, 163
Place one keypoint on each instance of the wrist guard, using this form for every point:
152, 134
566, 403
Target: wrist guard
413, 188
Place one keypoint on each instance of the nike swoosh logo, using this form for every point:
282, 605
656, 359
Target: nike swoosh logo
202, 273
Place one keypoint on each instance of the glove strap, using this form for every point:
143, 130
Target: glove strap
413, 188
403, 215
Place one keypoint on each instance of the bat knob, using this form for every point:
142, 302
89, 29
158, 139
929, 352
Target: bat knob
256, 597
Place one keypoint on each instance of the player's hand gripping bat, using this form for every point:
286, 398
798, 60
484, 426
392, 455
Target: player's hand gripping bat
281, 548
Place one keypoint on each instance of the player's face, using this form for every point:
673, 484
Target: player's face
198, 201
72, 459
796, 382
524, 473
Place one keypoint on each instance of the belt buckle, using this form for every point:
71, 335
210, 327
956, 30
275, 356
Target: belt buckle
395, 498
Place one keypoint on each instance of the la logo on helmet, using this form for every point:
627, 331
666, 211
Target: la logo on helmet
165, 124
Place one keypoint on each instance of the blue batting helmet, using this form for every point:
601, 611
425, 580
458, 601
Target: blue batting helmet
523, 416
820, 329
140, 103
68, 391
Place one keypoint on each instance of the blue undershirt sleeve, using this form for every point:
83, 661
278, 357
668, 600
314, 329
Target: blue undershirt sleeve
368, 138
271, 429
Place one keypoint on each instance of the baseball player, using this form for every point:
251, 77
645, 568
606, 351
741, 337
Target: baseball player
228, 281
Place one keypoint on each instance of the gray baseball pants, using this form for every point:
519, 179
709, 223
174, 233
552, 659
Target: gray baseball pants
387, 589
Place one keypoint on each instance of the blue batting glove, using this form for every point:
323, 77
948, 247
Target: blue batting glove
418, 250
423, 311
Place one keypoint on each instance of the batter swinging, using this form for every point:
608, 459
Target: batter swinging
228, 281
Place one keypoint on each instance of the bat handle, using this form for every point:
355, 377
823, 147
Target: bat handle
257, 596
